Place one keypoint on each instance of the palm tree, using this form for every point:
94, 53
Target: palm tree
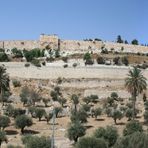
135, 84
4, 81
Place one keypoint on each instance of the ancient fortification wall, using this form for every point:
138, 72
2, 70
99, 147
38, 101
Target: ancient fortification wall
126, 47
22, 44
53, 42
82, 46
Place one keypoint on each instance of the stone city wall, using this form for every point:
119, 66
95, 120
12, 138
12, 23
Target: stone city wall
82, 46
23, 44
126, 47
53, 42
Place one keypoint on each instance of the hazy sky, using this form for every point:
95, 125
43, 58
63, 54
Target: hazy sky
74, 19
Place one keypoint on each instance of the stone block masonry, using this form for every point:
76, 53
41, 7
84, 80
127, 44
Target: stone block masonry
79, 46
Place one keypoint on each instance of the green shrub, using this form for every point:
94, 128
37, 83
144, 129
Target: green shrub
65, 59
4, 122
3, 57
65, 65
91, 142
16, 83
125, 61
27, 64
74, 65
36, 142
100, 60
49, 59
135, 140
131, 127
104, 51
109, 134
17, 53
2, 137
36, 62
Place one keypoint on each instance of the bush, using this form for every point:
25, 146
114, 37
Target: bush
65, 59
110, 101
3, 57
9, 110
36, 142
116, 60
109, 134
100, 60
4, 122
104, 51
75, 130
135, 140
16, 83
94, 98
91, 142
2, 137
89, 62
86, 107
34, 53
43, 63
87, 56
65, 65
74, 65
125, 61
27, 64
17, 53
22, 121
131, 127
49, 59
36, 62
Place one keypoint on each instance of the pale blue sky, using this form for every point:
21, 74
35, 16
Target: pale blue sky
74, 19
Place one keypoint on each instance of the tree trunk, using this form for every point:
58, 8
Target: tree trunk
134, 104
22, 130
76, 139
115, 121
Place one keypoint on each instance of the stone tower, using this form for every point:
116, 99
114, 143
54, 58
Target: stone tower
49, 41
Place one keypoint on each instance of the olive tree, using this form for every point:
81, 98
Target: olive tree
91, 142
23, 121
75, 130
4, 122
